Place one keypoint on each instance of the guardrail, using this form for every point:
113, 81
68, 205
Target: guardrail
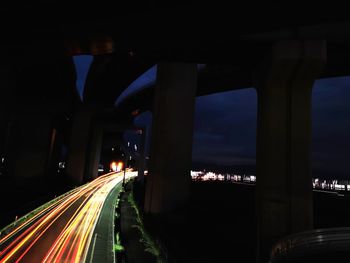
311, 244
32, 213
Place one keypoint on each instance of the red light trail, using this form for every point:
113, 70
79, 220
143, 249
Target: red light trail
62, 232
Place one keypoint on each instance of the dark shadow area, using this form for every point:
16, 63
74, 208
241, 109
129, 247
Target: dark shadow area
331, 210
217, 226
219, 223
22, 195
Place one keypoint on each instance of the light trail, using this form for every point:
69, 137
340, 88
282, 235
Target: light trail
63, 231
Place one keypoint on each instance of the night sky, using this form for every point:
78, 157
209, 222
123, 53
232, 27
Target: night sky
225, 127
225, 123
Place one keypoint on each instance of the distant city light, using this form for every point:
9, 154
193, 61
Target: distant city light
112, 149
317, 184
128, 144
135, 147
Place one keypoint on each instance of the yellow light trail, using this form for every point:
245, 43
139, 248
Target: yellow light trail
71, 220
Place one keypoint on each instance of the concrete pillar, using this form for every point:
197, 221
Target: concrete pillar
78, 145
94, 152
141, 160
172, 131
284, 187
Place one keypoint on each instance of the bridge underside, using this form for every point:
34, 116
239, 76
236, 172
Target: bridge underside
41, 112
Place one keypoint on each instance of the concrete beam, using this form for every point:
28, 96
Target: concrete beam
78, 146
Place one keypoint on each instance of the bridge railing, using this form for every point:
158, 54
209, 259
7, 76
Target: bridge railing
312, 244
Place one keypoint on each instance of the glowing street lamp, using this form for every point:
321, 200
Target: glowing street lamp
119, 166
113, 166
116, 167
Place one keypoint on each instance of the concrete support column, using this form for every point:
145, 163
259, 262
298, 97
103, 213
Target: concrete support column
172, 131
94, 153
78, 145
141, 160
284, 188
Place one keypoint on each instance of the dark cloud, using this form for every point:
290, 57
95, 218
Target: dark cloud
331, 125
225, 125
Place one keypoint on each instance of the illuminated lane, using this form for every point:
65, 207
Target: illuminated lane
63, 231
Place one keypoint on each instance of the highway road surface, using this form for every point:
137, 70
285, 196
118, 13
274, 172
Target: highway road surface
63, 231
